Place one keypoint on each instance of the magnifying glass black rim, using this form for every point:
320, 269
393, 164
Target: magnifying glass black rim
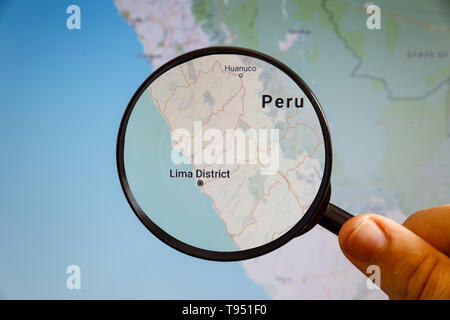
303, 225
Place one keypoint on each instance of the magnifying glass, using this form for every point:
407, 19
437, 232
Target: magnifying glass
224, 153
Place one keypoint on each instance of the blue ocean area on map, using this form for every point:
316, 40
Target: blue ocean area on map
62, 101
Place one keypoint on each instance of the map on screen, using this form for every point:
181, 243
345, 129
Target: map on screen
383, 91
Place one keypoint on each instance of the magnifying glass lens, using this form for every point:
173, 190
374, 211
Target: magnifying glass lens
222, 152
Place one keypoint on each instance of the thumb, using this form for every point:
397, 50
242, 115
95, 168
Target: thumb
410, 268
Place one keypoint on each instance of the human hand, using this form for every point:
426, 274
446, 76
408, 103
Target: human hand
413, 258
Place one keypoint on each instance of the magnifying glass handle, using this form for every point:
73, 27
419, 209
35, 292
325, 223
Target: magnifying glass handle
334, 218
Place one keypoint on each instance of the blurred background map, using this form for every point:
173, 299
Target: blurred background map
386, 95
